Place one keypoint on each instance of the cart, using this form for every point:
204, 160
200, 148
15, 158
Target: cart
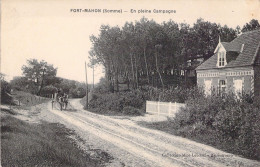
61, 100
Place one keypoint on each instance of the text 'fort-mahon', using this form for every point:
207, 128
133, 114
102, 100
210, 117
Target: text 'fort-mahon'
96, 10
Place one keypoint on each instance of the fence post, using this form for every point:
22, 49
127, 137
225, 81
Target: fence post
170, 108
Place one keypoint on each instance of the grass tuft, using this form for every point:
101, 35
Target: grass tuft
46, 144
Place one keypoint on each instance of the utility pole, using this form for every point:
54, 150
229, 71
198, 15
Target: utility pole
86, 85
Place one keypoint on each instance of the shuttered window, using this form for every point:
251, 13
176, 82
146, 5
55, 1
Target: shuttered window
238, 87
207, 87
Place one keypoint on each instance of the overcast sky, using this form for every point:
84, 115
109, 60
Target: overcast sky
48, 30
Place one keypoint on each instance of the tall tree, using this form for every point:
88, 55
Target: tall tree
129, 52
142, 28
39, 73
129, 38
252, 25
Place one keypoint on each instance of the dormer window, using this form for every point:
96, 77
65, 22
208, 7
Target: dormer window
221, 59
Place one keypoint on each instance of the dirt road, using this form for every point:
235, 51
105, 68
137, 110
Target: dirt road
133, 145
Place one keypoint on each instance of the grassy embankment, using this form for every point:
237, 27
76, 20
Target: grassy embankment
26, 100
43, 144
46, 144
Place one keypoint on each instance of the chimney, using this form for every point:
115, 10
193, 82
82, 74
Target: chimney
242, 47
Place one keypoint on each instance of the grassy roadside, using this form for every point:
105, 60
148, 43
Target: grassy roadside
45, 144
169, 126
27, 99
206, 136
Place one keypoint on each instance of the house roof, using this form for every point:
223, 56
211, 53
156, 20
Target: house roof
229, 46
251, 41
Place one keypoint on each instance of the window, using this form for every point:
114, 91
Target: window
222, 87
238, 87
207, 87
221, 59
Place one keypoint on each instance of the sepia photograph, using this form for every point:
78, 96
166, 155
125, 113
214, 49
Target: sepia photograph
130, 83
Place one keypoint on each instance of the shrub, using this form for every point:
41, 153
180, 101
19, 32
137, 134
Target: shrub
129, 110
171, 94
5, 90
229, 123
102, 88
103, 103
78, 92
249, 133
50, 89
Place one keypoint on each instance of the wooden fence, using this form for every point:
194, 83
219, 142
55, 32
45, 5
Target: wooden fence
26, 99
163, 108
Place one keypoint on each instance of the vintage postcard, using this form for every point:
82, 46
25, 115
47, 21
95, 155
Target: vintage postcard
130, 83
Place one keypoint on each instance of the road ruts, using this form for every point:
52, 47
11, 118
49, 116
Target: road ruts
163, 149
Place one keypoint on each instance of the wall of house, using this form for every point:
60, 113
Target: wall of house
229, 75
257, 80
257, 74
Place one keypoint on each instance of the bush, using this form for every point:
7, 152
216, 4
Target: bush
171, 94
102, 88
105, 102
116, 101
78, 92
50, 89
240, 123
129, 110
5, 90
225, 122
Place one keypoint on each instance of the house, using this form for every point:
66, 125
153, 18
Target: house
234, 67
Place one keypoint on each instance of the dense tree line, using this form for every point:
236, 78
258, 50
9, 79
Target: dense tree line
40, 78
145, 48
